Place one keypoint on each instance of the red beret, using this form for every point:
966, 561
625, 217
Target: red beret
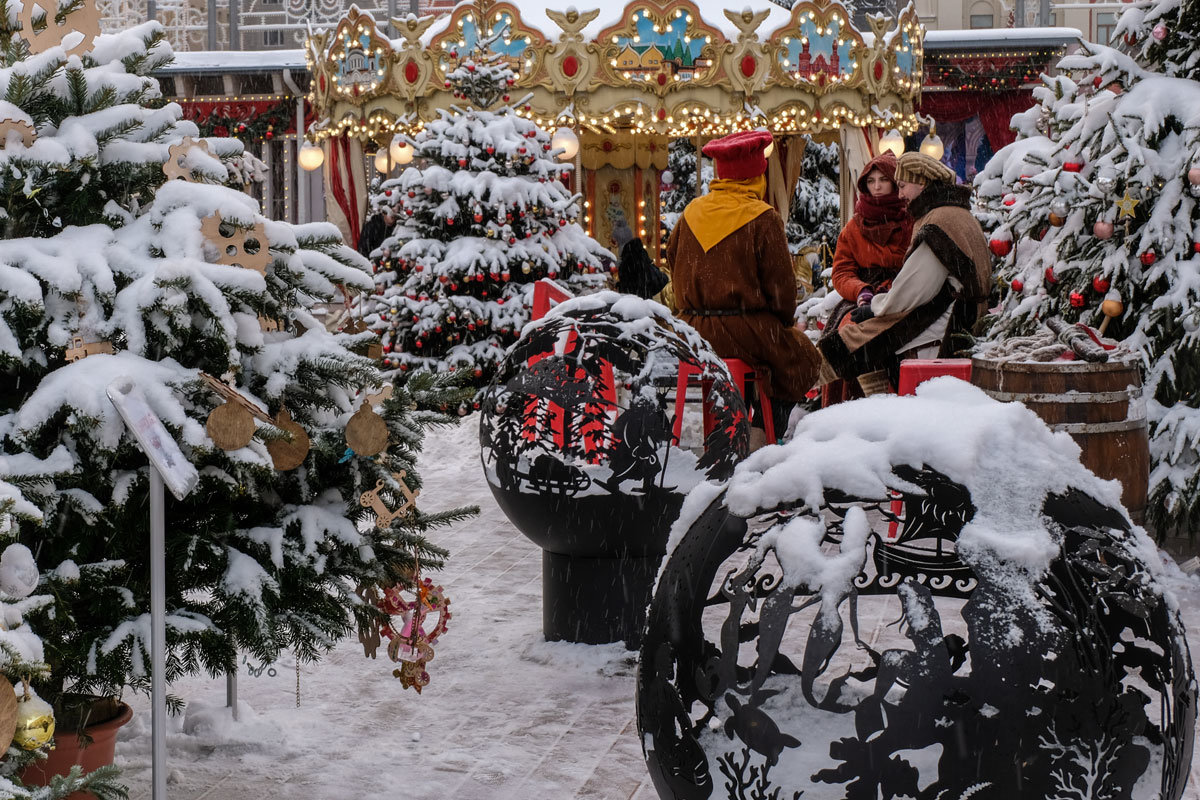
739, 156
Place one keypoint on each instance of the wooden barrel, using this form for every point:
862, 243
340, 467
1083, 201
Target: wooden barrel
1100, 405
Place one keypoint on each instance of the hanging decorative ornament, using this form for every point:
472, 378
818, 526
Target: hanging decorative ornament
1148, 258
247, 249
1194, 176
1127, 204
1076, 300
1102, 229
231, 424
19, 127
1000, 247
84, 21
1100, 284
1110, 308
383, 515
1017, 285
412, 645
288, 454
1009, 200
1106, 183
1072, 166
178, 156
366, 432
1159, 32
81, 349
1051, 278
34, 720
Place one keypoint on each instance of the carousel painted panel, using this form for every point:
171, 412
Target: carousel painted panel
661, 48
359, 59
820, 50
907, 46
522, 47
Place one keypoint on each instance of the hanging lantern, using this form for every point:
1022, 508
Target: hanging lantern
311, 157
566, 140
892, 141
401, 151
932, 145
381, 161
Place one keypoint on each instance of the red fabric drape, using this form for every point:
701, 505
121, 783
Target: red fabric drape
995, 109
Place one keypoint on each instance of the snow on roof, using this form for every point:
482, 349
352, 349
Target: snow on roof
1008, 37
235, 61
533, 15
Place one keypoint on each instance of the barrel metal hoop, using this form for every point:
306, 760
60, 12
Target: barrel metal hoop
1099, 427
1065, 397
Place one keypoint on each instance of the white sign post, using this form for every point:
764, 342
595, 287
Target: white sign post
167, 465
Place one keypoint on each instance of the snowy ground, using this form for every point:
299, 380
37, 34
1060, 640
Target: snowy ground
506, 715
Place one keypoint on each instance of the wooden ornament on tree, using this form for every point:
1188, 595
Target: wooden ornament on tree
285, 454
230, 426
80, 349
366, 432
8, 716
85, 21
20, 127
384, 516
177, 156
240, 248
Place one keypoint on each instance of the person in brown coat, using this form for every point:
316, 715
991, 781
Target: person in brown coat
941, 289
732, 276
870, 252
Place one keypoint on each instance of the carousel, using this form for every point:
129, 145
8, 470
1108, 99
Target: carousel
617, 87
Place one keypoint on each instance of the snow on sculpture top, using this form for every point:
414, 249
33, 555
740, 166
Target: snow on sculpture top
678, 67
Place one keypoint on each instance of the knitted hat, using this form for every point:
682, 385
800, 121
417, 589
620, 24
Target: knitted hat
739, 156
920, 168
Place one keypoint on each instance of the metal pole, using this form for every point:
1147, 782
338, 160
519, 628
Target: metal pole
301, 175
231, 688
212, 24
158, 635
235, 39
151, 10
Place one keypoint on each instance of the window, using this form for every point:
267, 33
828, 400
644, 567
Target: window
1106, 21
273, 38
983, 21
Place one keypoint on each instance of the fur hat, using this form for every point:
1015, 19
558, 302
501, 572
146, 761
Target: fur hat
920, 168
739, 156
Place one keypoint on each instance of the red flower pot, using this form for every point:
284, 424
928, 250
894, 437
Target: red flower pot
68, 752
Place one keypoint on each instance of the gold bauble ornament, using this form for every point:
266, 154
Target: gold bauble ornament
35, 722
1056, 220
1112, 308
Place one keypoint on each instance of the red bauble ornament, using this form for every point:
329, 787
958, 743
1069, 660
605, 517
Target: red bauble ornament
1148, 257
1050, 277
470, 67
1100, 284
552, 273
411, 193
1076, 300
1017, 285
419, 267
478, 217
478, 372
1001, 247
512, 240
1008, 201
1196, 246
462, 162
270, 134
562, 223
505, 275
470, 326
1097, 81
443, 278
447, 85
419, 344
490, 150
521, 149
387, 193
387, 348
1072, 166
505, 98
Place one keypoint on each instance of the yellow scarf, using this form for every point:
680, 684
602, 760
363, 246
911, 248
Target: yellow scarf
728, 206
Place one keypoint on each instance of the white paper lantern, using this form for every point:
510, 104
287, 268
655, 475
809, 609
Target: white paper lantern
566, 140
311, 157
381, 161
932, 146
402, 152
893, 141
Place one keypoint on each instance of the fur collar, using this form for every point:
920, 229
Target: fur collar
938, 194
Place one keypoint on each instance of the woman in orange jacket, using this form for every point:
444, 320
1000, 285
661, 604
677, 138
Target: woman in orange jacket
870, 251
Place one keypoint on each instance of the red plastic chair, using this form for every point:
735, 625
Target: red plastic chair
742, 374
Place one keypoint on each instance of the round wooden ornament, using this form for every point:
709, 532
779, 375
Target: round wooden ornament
288, 455
230, 426
366, 432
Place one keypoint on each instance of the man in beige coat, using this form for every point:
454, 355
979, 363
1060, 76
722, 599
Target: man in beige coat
941, 289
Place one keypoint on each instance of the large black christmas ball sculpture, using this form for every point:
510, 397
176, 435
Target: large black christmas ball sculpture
916, 597
577, 444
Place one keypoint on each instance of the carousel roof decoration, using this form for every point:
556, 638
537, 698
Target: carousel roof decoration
657, 67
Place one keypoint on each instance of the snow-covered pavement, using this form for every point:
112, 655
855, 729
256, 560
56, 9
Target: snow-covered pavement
506, 715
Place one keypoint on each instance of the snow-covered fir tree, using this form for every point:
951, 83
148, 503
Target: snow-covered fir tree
1095, 211
108, 269
481, 215
680, 184
816, 210
1164, 36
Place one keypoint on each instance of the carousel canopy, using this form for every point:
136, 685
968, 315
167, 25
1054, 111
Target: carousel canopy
674, 69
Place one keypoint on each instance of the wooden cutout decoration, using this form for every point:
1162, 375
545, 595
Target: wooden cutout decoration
368, 633
85, 20
80, 349
233, 250
268, 324
375, 351
8, 718
371, 499
287, 455
178, 153
230, 426
10, 126
366, 432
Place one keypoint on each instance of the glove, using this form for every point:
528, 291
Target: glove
864, 297
861, 314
